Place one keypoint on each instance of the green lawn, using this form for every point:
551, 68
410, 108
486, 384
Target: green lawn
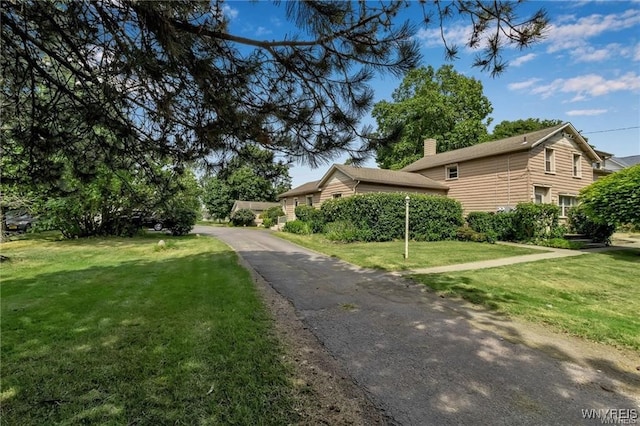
119, 331
390, 255
594, 296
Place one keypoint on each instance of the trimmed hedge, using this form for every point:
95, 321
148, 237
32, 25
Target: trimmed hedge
535, 221
528, 222
496, 226
312, 216
381, 216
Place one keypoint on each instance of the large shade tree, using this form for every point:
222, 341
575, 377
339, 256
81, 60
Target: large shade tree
507, 128
170, 80
253, 174
442, 104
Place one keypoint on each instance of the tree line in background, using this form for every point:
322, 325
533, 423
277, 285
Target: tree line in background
441, 104
108, 107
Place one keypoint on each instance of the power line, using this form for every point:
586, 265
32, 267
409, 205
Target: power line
610, 130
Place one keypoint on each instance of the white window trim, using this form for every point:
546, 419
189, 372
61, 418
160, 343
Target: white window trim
576, 173
447, 168
562, 206
552, 158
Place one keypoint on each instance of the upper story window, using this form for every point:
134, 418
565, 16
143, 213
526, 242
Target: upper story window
577, 165
549, 160
310, 200
338, 195
451, 171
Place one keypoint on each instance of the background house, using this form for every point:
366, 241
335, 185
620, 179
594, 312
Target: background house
257, 207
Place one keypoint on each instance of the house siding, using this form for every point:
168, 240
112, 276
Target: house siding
338, 184
562, 181
486, 184
288, 203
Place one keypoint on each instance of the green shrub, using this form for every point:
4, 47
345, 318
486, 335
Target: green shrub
465, 233
480, 221
297, 227
535, 221
180, 220
503, 226
559, 243
268, 222
381, 216
243, 217
312, 216
272, 214
580, 223
346, 232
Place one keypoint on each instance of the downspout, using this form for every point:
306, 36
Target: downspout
509, 181
354, 187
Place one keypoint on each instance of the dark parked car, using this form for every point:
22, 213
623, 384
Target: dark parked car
146, 220
18, 221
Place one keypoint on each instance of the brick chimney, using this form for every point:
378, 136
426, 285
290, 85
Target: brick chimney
429, 147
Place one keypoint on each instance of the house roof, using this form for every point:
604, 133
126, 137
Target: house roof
305, 188
382, 176
631, 160
503, 146
253, 205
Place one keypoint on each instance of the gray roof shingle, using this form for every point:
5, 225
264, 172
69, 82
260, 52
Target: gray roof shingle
387, 177
486, 149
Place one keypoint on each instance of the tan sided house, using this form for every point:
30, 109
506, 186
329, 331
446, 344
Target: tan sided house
546, 166
257, 207
344, 181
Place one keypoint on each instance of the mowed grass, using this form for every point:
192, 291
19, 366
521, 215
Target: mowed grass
390, 255
594, 296
120, 331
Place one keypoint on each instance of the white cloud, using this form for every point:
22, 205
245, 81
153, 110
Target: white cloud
523, 59
455, 34
229, 12
590, 85
523, 84
563, 35
636, 52
577, 112
260, 31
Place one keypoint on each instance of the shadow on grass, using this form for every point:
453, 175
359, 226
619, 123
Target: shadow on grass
173, 341
630, 254
420, 356
463, 287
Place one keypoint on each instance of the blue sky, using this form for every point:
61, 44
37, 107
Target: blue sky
586, 71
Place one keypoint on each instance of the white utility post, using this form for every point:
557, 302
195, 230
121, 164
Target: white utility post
406, 228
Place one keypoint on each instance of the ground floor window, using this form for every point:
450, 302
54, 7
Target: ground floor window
566, 202
338, 195
310, 200
541, 194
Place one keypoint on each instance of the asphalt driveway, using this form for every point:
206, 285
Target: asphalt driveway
420, 357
